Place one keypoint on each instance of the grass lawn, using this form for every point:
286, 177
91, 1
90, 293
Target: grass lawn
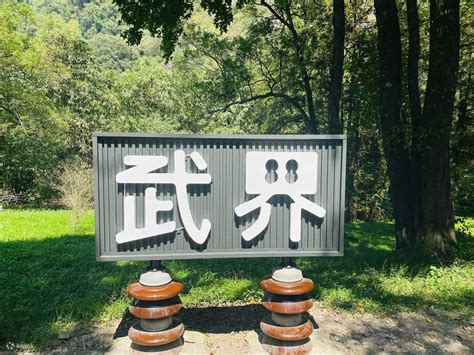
51, 283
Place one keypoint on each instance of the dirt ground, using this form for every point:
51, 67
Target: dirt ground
235, 330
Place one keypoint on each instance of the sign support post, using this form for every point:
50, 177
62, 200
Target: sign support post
287, 296
155, 302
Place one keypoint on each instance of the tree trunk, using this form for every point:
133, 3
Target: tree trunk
336, 70
413, 58
414, 100
394, 131
436, 228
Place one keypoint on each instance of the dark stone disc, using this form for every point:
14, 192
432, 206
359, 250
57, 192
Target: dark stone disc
146, 338
287, 288
287, 304
279, 332
146, 293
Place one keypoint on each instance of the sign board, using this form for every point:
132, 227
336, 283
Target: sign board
163, 197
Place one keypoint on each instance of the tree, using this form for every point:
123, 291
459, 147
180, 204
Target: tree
436, 222
336, 69
30, 127
66, 73
418, 164
394, 129
282, 12
167, 23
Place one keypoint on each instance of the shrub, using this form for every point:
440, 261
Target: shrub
75, 188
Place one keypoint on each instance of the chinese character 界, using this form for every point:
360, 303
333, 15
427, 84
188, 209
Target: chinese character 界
304, 167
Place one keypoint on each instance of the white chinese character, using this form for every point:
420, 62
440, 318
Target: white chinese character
141, 173
257, 167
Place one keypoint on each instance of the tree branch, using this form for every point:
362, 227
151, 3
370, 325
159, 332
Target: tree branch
275, 13
281, 95
312, 124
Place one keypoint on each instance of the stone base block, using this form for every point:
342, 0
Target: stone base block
280, 347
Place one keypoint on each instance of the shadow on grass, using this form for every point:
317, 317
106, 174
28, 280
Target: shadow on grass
55, 285
371, 276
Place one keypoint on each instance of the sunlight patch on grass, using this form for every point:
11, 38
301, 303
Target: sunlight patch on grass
116, 306
217, 291
64, 324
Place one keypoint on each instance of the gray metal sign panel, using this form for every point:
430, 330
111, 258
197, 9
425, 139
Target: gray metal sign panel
161, 197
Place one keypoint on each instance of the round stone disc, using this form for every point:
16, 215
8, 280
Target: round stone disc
146, 293
297, 332
155, 278
154, 312
142, 337
287, 274
287, 288
287, 304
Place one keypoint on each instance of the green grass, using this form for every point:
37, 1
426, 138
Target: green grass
50, 281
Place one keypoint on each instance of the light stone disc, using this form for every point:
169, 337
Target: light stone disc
287, 274
155, 278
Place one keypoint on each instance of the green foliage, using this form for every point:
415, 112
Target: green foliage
57, 89
32, 126
43, 295
28, 161
367, 184
112, 52
463, 132
99, 16
66, 73
164, 19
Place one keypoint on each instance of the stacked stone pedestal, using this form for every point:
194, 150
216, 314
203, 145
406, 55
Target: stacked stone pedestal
288, 327
155, 303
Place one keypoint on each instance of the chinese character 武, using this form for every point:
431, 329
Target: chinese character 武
141, 172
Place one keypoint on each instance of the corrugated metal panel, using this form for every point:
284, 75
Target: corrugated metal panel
225, 157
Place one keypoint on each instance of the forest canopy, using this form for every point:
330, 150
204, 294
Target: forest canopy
72, 67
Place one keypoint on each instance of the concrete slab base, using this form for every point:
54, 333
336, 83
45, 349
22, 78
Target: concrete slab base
193, 343
196, 343
336, 332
